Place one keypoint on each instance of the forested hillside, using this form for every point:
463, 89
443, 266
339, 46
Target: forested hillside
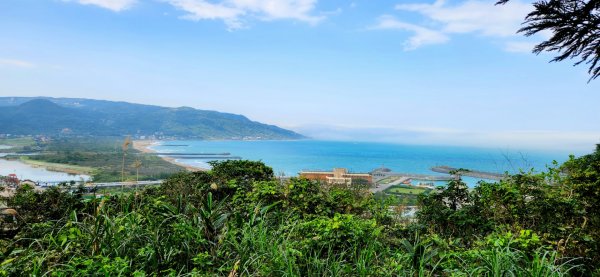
66, 116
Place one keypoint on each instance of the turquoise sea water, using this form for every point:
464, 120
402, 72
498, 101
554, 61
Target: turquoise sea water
290, 157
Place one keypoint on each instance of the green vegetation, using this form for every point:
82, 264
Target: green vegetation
101, 157
18, 144
73, 169
238, 219
406, 190
402, 195
77, 117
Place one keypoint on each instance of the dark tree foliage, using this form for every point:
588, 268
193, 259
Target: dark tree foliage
230, 179
242, 172
449, 211
238, 220
561, 207
575, 27
51, 204
584, 179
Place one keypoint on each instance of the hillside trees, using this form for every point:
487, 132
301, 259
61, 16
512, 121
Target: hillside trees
558, 209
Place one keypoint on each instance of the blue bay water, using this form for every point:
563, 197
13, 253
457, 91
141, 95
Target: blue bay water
37, 174
291, 157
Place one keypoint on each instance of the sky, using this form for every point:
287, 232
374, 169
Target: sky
420, 72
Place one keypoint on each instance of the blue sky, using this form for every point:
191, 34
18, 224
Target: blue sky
425, 72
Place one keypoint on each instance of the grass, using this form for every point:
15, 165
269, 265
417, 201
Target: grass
153, 235
187, 226
101, 158
406, 190
404, 195
17, 144
402, 189
71, 169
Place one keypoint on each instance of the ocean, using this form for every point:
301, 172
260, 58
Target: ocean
291, 157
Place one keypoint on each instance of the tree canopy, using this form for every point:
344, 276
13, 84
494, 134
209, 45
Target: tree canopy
575, 28
239, 220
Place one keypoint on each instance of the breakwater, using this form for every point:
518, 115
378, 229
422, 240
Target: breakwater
207, 157
422, 177
171, 154
175, 145
198, 156
469, 172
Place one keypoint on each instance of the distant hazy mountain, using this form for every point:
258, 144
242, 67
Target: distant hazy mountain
53, 116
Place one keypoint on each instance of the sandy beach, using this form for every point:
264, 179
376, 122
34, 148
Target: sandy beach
144, 147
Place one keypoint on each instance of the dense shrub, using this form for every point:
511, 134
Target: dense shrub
238, 219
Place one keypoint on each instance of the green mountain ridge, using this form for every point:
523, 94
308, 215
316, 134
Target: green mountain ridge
76, 116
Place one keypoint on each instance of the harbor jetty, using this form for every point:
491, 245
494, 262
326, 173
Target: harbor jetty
423, 177
198, 156
191, 154
383, 173
207, 157
469, 172
175, 145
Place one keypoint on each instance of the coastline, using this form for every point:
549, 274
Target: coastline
144, 147
39, 173
53, 167
56, 167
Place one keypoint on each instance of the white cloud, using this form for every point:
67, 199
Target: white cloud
473, 16
422, 36
202, 10
114, 5
480, 17
280, 9
232, 12
16, 63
